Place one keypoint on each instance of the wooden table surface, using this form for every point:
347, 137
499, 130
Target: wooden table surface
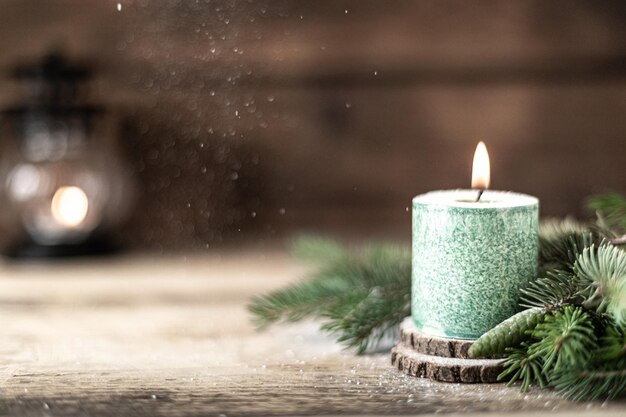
150, 336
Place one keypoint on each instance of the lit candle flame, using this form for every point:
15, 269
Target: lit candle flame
481, 172
69, 206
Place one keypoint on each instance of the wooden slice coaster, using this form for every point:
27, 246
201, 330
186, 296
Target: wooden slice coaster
420, 342
439, 358
445, 369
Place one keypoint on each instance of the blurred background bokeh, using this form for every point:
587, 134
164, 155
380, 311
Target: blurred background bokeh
251, 120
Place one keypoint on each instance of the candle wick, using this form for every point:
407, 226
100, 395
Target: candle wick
480, 194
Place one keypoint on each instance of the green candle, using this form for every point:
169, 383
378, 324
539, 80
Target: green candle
472, 253
470, 259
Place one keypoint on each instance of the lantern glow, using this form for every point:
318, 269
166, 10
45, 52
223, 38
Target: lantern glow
69, 206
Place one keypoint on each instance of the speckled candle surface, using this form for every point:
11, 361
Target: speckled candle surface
470, 259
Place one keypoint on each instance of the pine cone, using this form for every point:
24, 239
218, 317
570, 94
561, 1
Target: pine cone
510, 333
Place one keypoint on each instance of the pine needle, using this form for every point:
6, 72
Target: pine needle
613, 346
564, 340
610, 209
300, 300
604, 267
360, 295
556, 289
602, 377
523, 367
560, 243
591, 384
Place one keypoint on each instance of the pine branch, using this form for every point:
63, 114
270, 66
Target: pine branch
523, 367
596, 280
556, 289
611, 211
604, 268
551, 229
602, 377
613, 346
586, 300
360, 295
388, 307
564, 340
300, 300
560, 243
560, 246
591, 384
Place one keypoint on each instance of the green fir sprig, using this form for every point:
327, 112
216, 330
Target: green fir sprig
521, 366
361, 295
560, 243
610, 210
563, 340
579, 347
570, 333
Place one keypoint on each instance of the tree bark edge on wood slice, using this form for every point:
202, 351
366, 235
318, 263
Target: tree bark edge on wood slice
420, 342
439, 358
443, 368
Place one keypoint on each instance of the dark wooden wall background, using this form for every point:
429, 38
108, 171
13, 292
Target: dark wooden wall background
261, 118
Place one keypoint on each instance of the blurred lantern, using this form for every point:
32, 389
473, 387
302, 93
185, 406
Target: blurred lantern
64, 187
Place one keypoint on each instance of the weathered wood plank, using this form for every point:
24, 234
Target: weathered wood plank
147, 337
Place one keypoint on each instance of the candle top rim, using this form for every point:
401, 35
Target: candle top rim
465, 198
